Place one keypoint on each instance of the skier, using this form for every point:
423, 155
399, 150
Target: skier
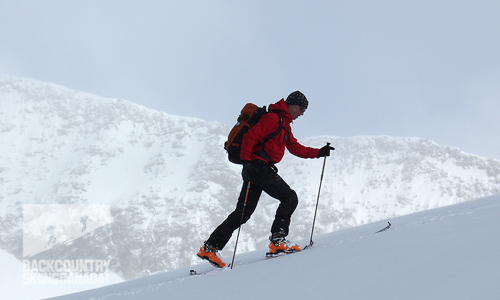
259, 168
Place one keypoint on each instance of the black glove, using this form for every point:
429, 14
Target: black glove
249, 170
325, 151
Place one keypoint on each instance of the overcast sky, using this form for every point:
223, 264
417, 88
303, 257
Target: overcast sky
427, 69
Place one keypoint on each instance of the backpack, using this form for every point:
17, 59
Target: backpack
249, 116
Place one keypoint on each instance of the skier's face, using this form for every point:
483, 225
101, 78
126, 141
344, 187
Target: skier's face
296, 111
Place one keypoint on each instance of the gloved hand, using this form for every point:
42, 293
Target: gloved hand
249, 170
325, 150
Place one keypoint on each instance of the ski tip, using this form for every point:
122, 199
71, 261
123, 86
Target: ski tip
308, 245
385, 228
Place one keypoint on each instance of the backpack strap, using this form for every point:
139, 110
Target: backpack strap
262, 153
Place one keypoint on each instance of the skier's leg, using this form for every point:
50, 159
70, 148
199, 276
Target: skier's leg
223, 232
269, 181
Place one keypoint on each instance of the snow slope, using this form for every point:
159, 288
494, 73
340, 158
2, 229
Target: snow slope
13, 287
446, 253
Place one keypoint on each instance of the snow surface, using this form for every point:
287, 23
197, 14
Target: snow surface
446, 253
12, 286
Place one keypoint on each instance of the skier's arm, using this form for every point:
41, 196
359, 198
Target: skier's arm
299, 150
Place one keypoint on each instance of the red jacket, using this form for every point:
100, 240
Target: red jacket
275, 147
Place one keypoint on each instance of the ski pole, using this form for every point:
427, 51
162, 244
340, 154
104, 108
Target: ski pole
317, 202
241, 221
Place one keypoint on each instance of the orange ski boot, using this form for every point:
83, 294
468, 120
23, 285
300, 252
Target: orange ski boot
210, 253
281, 245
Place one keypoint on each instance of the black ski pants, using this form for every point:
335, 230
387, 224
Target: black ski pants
267, 180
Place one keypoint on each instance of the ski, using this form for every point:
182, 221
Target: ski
308, 245
276, 254
196, 273
385, 228
193, 272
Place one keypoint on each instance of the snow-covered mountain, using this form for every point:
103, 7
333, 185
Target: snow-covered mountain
168, 183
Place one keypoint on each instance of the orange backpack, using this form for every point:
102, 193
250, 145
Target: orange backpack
249, 116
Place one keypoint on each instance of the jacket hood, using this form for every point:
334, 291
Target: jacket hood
282, 108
